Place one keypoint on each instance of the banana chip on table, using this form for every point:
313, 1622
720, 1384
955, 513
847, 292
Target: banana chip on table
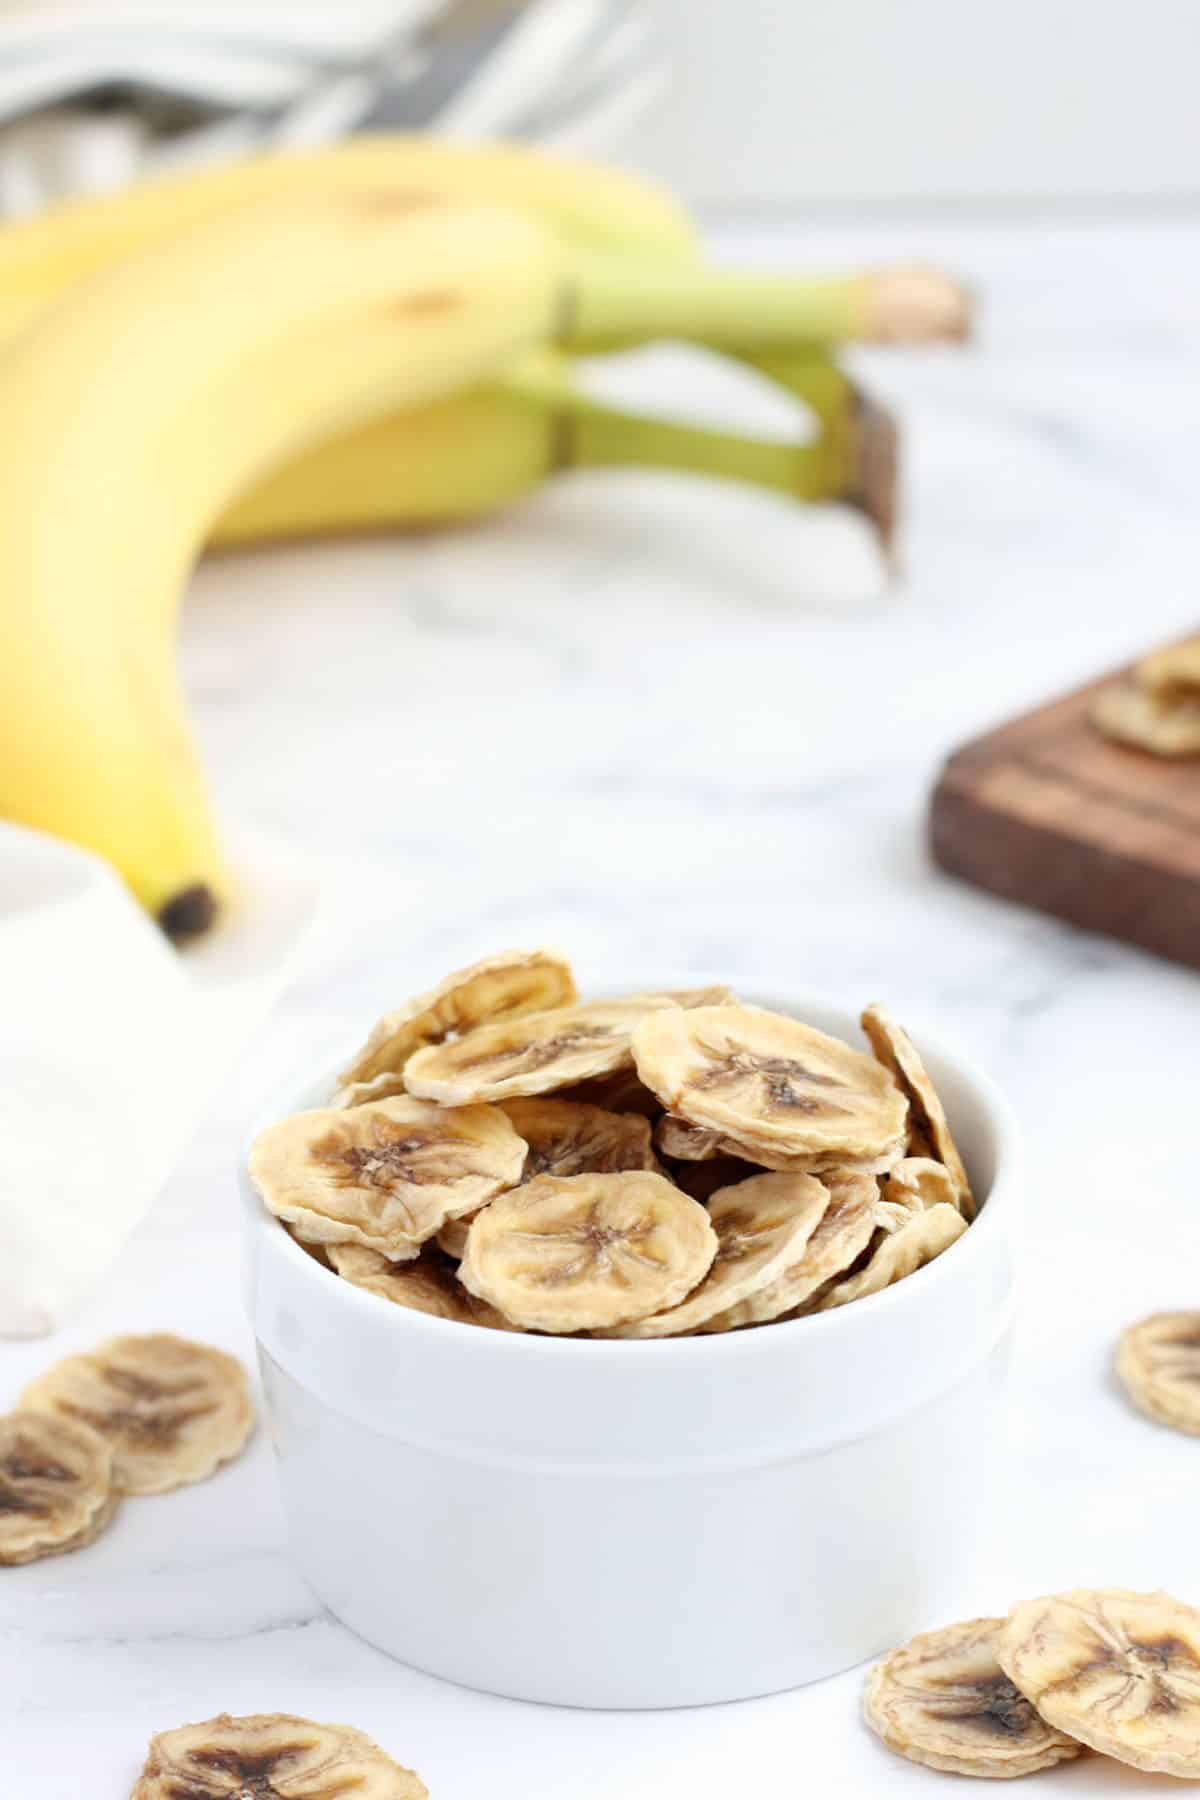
386, 1175
763, 1227
271, 1756
1118, 1671
846, 1227
1158, 1360
56, 1491
172, 1411
587, 1251
898, 1054
538, 1054
427, 1285
770, 1085
907, 1247
944, 1701
499, 987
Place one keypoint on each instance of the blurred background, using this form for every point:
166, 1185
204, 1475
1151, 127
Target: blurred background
761, 103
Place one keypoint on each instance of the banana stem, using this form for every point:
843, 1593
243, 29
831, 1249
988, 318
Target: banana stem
613, 302
595, 436
852, 460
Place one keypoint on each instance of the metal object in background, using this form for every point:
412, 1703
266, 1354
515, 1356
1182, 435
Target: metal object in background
97, 92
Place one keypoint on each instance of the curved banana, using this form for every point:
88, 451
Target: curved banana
471, 454
138, 407
605, 209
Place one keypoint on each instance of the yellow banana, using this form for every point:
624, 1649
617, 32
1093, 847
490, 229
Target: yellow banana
474, 452
138, 407
41, 258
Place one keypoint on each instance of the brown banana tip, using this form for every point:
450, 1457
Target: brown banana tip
189, 913
919, 305
873, 487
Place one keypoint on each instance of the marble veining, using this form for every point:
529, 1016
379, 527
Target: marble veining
680, 728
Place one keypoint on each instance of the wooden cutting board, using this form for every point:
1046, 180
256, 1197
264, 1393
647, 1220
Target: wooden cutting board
1047, 812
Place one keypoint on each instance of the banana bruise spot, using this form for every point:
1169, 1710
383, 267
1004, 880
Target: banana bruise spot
434, 304
189, 913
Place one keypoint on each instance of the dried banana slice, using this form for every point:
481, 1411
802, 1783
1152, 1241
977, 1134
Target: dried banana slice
898, 1054
55, 1486
845, 1229
499, 987
1158, 1360
387, 1175
271, 1756
686, 1143
704, 1179
620, 1092
1173, 673
763, 1227
918, 1182
428, 1285
565, 1137
172, 1410
1118, 1671
533, 1055
912, 1244
1126, 714
587, 1251
944, 1701
769, 1084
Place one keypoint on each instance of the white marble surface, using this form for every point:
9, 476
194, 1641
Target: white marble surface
661, 723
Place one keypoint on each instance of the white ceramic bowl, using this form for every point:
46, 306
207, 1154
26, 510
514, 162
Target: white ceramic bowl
645, 1524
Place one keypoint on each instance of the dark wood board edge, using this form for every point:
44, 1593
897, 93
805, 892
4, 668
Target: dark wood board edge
1074, 881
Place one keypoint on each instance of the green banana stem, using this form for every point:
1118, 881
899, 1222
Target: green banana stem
613, 301
852, 459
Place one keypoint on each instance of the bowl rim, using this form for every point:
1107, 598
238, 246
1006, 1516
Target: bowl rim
919, 1288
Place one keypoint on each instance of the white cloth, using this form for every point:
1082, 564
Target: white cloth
111, 1045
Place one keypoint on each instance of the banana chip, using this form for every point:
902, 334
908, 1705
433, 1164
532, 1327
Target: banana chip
846, 1227
534, 1055
427, 1285
1158, 1360
686, 1143
566, 1137
588, 1251
271, 1756
173, 1411
1147, 721
770, 1085
1116, 1670
1173, 673
387, 1175
499, 987
620, 1092
918, 1182
944, 1701
911, 1244
55, 1486
451, 1240
763, 1227
898, 1054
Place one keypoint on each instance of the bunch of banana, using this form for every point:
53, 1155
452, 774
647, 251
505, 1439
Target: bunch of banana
306, 343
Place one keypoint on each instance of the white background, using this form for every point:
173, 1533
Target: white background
881, 100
